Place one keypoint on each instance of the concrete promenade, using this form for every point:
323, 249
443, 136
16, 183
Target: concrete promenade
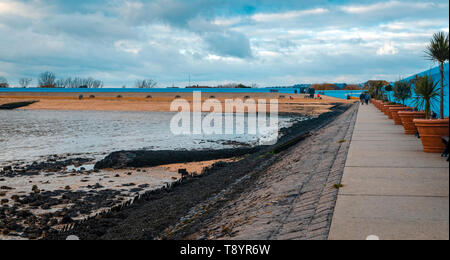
392, 190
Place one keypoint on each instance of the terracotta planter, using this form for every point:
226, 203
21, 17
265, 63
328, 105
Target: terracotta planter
376, 103
407, 121
386, 108
381, 105
431, 133
390, 109
395, 116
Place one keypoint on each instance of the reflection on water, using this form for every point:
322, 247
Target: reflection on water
27, 134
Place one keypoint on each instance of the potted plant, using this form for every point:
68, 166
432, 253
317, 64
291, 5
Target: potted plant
438, 51
407, 117
402, 91
432, 131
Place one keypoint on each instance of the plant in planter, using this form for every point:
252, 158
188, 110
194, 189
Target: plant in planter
432, 131
426, 91
402, 91
438, 51
388, 89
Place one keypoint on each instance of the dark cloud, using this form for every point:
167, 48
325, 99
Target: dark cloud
229, 44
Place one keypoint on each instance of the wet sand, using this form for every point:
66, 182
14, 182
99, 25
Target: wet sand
161, 102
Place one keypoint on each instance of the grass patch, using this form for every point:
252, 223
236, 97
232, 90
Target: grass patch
338, 186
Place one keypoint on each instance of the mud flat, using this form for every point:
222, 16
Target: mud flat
192, 207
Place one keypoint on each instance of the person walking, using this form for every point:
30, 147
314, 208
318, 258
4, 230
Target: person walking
362, 98
367, 98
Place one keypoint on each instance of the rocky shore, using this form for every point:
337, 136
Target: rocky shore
47, 195
161, 213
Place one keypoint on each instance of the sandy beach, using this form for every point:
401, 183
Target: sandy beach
161, 102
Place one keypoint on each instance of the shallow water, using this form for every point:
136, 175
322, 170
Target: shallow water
29, 134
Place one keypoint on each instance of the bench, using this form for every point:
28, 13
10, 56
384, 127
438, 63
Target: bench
445, 141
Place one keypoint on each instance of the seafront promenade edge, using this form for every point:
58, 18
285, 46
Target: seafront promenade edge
392, 189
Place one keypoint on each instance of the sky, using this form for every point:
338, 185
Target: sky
263, 42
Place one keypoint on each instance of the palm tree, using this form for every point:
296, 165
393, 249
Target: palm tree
438, 51
426, 91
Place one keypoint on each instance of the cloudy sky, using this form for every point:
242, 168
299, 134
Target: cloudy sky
267, 42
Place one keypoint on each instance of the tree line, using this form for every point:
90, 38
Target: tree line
49, 80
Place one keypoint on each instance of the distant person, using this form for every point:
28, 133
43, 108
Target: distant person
367, 98
312, 93
362, 98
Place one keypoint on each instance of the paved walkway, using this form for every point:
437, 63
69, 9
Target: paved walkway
392, 189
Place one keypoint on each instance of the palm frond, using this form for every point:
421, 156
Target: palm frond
427, 92
438, 49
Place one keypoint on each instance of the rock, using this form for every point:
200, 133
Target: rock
24, 214
144, 158
45, 206
4, 201
67, 187
66, 220
30, 173
2, 193
35, 189
5, 188
7, 168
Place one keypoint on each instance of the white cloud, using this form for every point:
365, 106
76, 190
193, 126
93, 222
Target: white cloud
387, 49
275, 17
227, 21
128, 46
391, 5
19, 9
